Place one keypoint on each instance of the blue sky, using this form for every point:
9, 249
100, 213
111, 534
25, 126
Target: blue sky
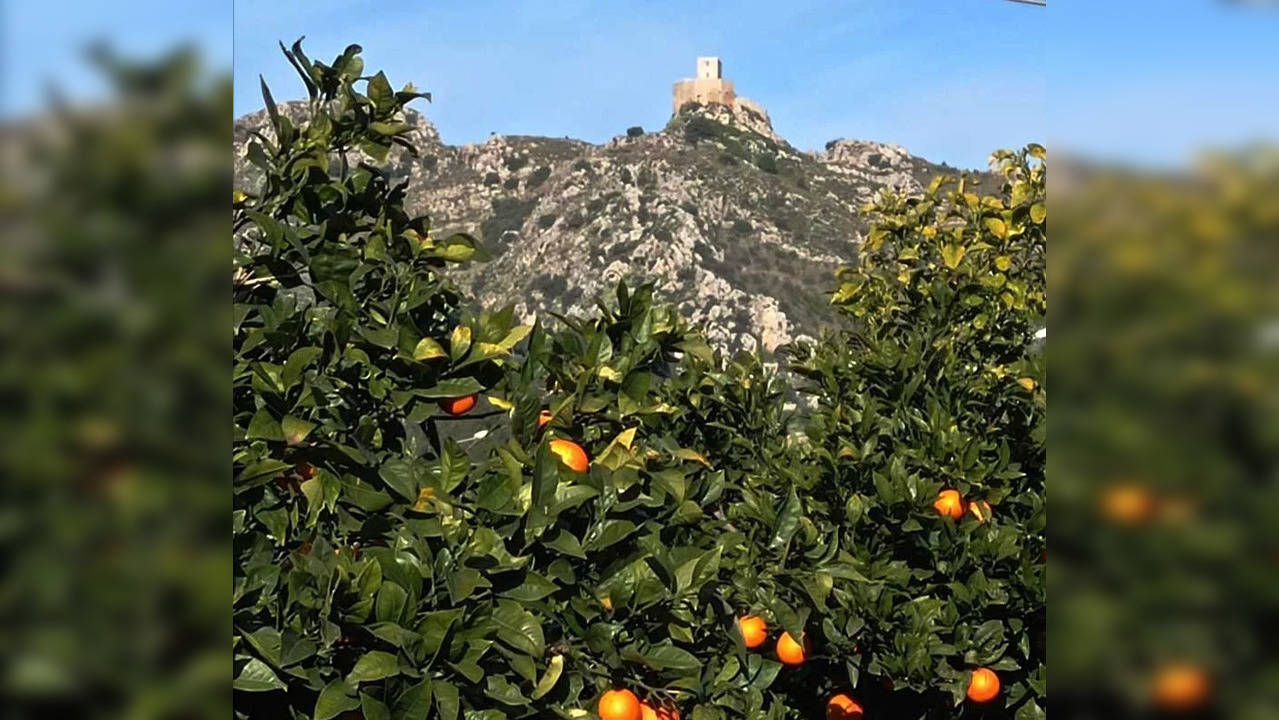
1147, 81
1152, 82
42, 42
949, 80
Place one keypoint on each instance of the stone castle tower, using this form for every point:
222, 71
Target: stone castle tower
712, 91
709, 87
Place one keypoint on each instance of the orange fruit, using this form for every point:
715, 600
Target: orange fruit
753, 629
571, 454
842, 707
619, 705
543, 418
983, 686
648, 712
949, 503
1127, 504
789, 651
1180, 687
458, 406
980, 509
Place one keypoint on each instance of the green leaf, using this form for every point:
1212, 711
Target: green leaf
266, 640
518, 628
1030, 710
454, 388
256, 676
261, 471
414, 703
501, 690
668, 657
373, 709
264, 427
391, 599
380, 92
446, 700
335, 699
374, 665
400, 475
535, 587
787, 520
1038, 213
295, 430
566, 543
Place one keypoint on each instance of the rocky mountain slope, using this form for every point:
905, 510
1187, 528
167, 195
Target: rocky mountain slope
731, 222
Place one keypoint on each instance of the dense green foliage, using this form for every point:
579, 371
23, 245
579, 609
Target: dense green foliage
384, 568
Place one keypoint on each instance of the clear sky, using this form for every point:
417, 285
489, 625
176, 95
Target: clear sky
42, 42
1147, 81
1154, 81
949, 80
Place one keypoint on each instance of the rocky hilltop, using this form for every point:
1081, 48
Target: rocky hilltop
731, 222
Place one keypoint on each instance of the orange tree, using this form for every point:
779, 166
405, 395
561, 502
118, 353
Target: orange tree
381, 569
937, 386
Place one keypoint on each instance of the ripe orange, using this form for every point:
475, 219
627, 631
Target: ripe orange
789, 651
619, 705
980, 510
648, 712
983, 686
571, 454
753, 629
1127, 504
543, 418
458, 406
1180, 688
842, 707
949, 503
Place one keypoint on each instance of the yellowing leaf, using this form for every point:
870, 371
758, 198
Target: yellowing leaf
492, 349
952, 255
1003, 262
609, 374
626, 438
997, 227
500, 403
688, 454
428, 349
1027, 383
553, 671
460, 342
1036, 150
424, 497
929, 232
1038, 213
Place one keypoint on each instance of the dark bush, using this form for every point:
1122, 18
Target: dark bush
538, 177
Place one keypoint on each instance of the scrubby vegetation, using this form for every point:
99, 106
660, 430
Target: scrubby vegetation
635, 494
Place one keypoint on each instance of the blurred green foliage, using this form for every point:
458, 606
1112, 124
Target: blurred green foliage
1165, 438
113, 401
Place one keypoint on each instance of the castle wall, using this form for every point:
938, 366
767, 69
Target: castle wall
704, 91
